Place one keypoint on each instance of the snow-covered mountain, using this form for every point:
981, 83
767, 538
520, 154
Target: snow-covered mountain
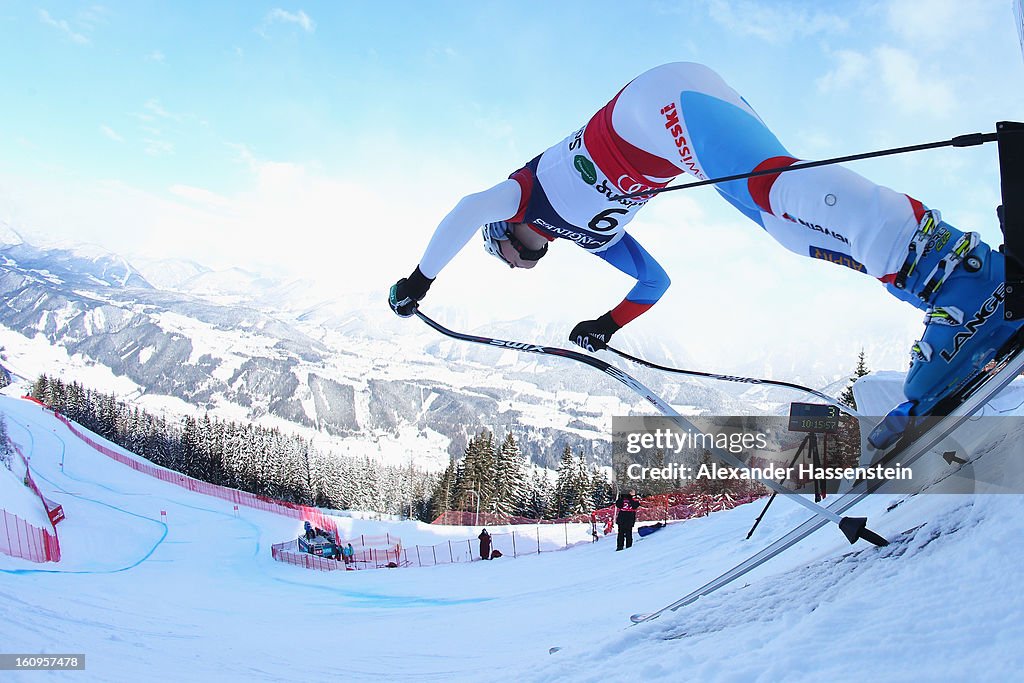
350, 375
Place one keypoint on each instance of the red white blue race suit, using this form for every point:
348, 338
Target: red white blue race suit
683, 118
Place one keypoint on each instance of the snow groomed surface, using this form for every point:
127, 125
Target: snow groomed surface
195, 594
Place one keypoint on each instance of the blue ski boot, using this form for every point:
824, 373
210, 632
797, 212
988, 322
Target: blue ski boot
960, 281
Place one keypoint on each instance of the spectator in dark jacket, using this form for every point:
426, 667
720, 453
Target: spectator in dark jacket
625, 518
309, 531
485, 545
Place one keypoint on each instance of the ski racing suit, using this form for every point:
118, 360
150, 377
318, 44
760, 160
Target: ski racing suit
683, 118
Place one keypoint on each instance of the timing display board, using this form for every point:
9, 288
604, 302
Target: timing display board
819, 418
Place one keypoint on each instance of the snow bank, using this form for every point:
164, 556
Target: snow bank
18, 499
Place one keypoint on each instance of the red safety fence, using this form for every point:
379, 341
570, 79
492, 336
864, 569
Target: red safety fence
21, 539
657, 508
252, 500
508, 544
18, 538
462, 518
677, 506
289, 552
53, 510
362, 557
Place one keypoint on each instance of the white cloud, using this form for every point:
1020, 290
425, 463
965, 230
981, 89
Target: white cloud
156, 56
895, 74
111, 133
853, 67
92, 15
279, 15
936, 25
203, 198
909, 89
773, 22
153, 105
154, 147
64, 27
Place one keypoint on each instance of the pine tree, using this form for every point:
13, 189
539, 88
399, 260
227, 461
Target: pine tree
509, 479
601, 490
539, 502
441, 498
847, 397
476, 483
573, 487
583, 486
256, 459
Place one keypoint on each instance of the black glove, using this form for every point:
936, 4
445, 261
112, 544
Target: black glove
593, 335
406, 294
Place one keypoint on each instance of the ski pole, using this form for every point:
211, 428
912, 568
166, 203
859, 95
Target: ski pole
968, 140
734, 378
852, 527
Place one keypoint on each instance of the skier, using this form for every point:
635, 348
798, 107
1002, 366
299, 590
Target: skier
625, 518
683, 118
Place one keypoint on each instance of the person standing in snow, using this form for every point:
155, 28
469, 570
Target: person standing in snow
625, 518
485, 545
682, 117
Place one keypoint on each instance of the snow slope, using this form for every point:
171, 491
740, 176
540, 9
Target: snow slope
18, 499
197, 596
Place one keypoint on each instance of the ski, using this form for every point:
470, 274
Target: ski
914, 444
853, 528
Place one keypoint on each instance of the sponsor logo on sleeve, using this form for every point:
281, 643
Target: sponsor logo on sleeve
817, 228
838, 258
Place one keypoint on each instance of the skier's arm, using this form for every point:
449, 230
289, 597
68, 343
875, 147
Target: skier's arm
499, 203
652, 282
455, 230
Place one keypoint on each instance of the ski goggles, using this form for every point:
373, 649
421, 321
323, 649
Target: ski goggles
495, 233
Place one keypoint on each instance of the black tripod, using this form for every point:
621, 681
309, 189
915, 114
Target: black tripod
810, 442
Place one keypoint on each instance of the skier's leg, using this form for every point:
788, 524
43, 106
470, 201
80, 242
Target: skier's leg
832, 213
827, 212
688, 115
955, 277
629, 537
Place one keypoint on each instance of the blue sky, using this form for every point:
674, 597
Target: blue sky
329, 138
